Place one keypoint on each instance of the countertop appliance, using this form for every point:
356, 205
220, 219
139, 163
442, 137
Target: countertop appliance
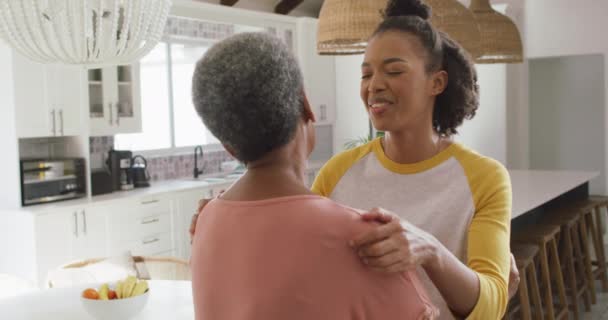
49, 180
119, 163
139, 172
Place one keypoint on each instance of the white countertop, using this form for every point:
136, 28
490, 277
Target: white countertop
167, 300
532, 188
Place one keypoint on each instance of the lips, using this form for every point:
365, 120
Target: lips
378, 106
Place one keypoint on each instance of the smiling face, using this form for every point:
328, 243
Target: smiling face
396, 88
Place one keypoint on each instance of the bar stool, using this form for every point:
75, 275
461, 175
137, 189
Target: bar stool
525, 258
545, 237
593, 221
571, 256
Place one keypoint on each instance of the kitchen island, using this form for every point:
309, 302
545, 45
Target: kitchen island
534, 190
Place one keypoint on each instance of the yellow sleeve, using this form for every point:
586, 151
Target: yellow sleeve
488, 237
336, 167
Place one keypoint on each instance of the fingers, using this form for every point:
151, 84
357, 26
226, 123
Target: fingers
378, 233
378, 249
384, 261
378, 214
192, 229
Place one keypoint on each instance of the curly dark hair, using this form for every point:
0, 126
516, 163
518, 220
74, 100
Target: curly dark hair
460, 99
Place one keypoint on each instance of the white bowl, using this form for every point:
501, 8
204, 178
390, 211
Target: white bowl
117, 308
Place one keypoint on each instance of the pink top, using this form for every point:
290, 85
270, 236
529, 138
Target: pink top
288, 258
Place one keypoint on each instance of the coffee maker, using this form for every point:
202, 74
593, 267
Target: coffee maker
119, 163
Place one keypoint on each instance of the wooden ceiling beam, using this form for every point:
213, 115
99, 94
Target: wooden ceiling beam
229, 3
285, 6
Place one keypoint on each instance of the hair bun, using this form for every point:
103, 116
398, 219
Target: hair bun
418, 8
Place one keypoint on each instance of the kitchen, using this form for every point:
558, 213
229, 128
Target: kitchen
44, 118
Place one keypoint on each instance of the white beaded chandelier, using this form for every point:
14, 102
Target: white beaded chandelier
92, 33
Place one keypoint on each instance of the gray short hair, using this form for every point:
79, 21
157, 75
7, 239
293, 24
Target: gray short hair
248, 89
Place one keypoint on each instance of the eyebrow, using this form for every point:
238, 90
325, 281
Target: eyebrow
386, 61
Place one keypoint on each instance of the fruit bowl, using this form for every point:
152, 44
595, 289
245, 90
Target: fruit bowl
123, 300
115, 309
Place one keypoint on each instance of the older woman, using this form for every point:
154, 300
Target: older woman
268, 248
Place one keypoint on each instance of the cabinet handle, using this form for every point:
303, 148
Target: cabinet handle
76, 224
149, 201
117, 115
84, 222
148, 221
151, 241
61, 121
111, 116
53, 116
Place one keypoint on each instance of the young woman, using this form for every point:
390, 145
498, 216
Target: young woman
451, 205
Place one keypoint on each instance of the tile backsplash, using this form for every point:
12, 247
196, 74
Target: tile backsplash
162, 167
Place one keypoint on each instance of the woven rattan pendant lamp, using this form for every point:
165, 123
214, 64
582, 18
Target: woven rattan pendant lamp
500, 39
453, 18
346, 25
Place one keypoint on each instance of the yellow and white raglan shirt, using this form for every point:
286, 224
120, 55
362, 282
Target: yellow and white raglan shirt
459, 196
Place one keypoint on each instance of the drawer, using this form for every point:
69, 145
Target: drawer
145, 246
139, 219
135, 226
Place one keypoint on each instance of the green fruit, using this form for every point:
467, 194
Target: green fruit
103, 292
140, 288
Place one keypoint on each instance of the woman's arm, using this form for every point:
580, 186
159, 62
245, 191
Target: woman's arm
398, 246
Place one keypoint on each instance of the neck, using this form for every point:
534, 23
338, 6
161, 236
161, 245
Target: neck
279, 174
408, 147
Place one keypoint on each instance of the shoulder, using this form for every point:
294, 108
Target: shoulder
331, 173
488, 179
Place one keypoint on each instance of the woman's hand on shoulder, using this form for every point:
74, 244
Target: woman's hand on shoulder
395, 245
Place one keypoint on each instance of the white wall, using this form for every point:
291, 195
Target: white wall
555, 28
487, 131
351, 117
567, 115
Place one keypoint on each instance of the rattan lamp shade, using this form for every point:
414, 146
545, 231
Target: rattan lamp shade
453, 18
500, 39
346, 25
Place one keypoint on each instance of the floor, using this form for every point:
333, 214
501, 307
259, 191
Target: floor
599, 311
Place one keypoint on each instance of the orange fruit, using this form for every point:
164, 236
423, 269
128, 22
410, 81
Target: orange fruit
112, 295
90, 294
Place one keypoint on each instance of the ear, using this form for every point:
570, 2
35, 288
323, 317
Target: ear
439, 82
308, 114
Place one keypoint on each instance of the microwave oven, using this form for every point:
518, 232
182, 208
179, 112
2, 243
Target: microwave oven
50, 180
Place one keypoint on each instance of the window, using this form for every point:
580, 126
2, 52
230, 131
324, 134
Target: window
168, 116
169, 120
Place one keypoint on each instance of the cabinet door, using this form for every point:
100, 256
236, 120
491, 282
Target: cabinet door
128, 105
92, 237
68, 103
318, 72
33, 115
100, 101
55, 236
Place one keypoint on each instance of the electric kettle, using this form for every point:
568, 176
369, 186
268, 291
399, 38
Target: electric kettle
139, 172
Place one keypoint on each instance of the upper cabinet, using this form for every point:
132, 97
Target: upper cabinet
114, 100
318, 71
48, 99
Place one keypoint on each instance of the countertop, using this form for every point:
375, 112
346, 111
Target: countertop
532, 188
156, 188
167, 300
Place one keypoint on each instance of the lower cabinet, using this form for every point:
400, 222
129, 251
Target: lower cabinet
66, 235
148, 226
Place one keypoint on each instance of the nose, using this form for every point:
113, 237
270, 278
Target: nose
376, 83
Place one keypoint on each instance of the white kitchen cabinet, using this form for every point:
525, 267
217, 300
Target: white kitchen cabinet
67, 235
48, 99
318, 72
143, 226
114, 100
